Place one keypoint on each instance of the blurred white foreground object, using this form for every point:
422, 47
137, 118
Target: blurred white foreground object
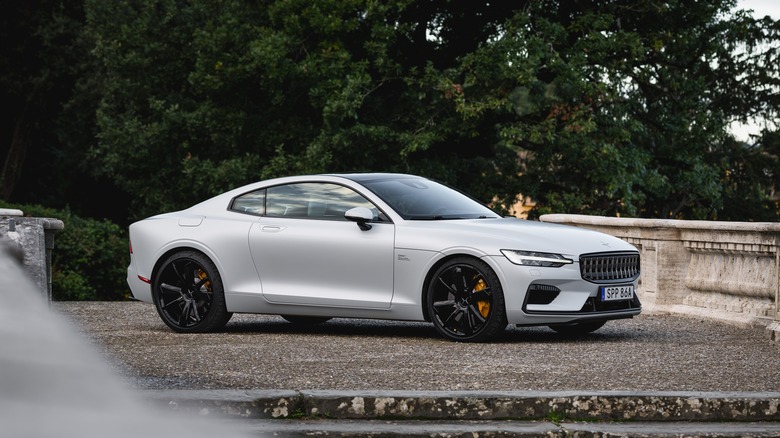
52, 383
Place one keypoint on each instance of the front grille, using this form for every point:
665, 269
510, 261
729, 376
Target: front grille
610, 267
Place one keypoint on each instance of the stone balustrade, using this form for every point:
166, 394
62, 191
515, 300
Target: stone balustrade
722, 270
32, 239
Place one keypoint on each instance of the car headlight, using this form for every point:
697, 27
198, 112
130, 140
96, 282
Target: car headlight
534, 258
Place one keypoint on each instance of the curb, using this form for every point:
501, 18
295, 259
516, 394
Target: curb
470, 405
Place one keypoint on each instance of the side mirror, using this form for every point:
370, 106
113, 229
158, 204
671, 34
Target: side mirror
361, 215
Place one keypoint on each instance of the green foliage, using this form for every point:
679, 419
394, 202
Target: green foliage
615, 108
628, 114
749, 180
89, 259
276, 88
598, 108
47, 102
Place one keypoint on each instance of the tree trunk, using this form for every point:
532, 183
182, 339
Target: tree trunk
12, 167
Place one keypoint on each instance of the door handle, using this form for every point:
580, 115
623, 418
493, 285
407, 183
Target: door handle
271, 229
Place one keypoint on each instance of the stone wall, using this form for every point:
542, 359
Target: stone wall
32, 239
722, 270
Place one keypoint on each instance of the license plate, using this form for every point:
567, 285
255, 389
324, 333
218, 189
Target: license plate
617, 293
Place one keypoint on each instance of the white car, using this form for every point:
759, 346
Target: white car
374, 245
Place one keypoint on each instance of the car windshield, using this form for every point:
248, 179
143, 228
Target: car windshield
422, 199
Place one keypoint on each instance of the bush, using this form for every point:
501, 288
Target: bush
90, 257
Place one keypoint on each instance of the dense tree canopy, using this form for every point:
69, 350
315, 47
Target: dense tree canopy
596, 107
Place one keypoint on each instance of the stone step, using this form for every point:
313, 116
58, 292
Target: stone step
556, 406
471, 429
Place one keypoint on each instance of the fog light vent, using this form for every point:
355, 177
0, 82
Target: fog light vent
541, 294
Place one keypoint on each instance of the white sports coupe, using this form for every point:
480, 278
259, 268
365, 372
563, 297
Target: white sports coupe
376, 245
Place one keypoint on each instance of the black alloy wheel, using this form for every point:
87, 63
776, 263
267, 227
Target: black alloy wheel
466, 302
189, 295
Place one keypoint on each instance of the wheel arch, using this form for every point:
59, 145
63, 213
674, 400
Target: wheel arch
173, 250
435, 267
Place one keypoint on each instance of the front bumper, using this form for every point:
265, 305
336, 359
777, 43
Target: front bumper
577, 299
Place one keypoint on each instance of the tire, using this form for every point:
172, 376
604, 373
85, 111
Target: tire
579, 328
305, 320
188, 293
465, 301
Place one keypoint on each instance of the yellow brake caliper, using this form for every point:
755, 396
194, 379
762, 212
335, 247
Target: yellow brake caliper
202, 275
483, 305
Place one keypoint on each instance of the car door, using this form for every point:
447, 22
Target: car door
307, 253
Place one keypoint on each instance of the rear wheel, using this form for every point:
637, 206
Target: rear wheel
579, 328
466, 302
189, 295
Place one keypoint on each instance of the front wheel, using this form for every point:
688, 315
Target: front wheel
466, 302
188, 294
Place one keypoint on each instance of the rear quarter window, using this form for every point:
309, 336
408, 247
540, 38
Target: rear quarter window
250, 203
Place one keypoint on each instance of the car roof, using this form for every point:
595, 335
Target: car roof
366, 177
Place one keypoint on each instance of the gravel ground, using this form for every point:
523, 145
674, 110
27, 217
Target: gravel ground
649, 353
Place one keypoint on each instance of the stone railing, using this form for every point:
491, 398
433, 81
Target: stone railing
32, 239
722, 270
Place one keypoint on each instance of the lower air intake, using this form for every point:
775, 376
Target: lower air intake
541, 294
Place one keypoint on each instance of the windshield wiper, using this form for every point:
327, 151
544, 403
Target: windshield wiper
426, 218
440, 217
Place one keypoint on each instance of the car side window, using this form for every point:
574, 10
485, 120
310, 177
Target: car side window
315, 201
252, 203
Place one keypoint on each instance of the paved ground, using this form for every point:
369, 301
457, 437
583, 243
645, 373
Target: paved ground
655, 375
255, 352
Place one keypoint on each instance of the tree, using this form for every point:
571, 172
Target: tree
34, 81
626, 105
617, 108
49, 97
750, 182
203, 97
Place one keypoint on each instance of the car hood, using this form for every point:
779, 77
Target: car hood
489, 236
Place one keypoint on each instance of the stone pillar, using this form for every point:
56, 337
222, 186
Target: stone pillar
33, 239
664, 261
